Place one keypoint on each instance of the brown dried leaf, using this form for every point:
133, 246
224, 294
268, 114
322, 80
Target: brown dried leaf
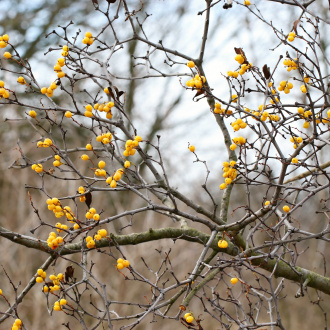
69, 273
295, 25
88, 200
265, 70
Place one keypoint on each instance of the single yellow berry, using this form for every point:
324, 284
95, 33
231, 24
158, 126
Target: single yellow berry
234, 280
126, 263
68, 114
294, 160
189, 319
192, 148
191, 64
222, 244
120, 265
247, 3
127, 164
32, 114
286, 208
101, 164
7, 55
84, 157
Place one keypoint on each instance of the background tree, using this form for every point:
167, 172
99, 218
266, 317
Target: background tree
250, 243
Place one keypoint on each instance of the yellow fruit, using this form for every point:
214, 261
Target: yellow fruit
191, 64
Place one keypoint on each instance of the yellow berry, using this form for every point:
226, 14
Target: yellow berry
190, 64
101, 164
84, 157
192, 148
189, 319
223, 186
234, 280
286, 208
126, 263
247, 3
120, 265
7, 55
68, 114
222, 244
32, 114
294, 160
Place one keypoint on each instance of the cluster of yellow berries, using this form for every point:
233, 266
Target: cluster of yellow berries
88, 40
55, 205
65, 51
45, 144
101, 171
17, 325
112, 180
88, 112
238, 124
81, 190
233, 280
188, 317
285, 86
37, 168
55, 279
305, 114
291, 36
229, 173
222, 244
53, 241
50, 90
219, 110
121, 263
196, 82
303, 89
296, 140
232, 74
244, 67
60, 227
4, 40
130, 146
105, 107
101, 233
105, 138
286, 208
58, 67
265, 115
237, 141
91, 214
57, 162
90, 241
290, 64
3, 92
41, 275
58, 304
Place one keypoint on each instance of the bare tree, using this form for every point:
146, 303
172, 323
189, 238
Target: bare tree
125, 245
